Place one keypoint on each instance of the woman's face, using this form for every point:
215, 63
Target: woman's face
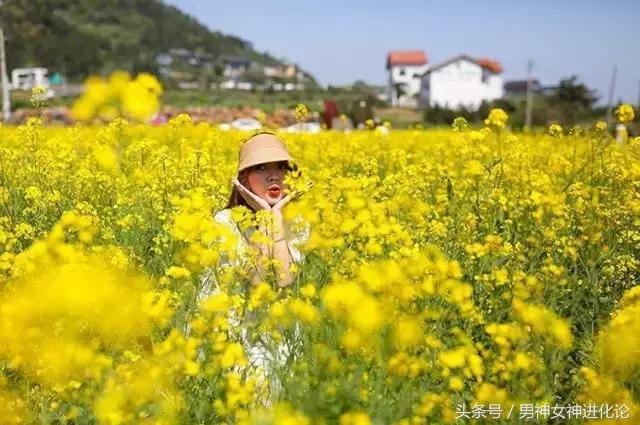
267, 180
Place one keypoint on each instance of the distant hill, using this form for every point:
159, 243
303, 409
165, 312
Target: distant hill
78, 38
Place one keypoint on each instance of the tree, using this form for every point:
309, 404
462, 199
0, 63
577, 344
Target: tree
360, 86
79, 38
572, 100
571, 92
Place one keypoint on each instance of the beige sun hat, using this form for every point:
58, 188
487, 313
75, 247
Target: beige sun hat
262, 148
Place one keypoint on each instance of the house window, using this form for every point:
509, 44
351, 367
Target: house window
401, 73
485, 76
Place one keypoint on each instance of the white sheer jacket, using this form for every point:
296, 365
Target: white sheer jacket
260, 356
209, 284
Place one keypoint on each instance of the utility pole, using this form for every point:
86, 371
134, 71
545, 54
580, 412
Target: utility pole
6, 104
529, 110
612, 88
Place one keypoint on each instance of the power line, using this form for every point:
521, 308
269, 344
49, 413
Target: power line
529, 110
612, 89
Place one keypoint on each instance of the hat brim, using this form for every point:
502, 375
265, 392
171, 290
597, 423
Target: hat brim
265, 155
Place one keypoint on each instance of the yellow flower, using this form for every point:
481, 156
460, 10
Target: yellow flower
489, 393
354, 418
453, 358
625, 113
460, 124
277, 311
83, 109
474, 168
340, 298
456, 384
150, 82
233, 355
601, 126
138, 102
377, 305
308, 291
555, 130
217, 303
352, 340
407, 333
261, 294
38, 96
366, 315
284, 414
118, 95
542, 321
118, 81
304, 312
178, 272
619, 344
106, 158
497, 118
301, 112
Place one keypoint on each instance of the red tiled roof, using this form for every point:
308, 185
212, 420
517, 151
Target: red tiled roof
490, 64
406, 57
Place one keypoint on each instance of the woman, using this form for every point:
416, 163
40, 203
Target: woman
263, 163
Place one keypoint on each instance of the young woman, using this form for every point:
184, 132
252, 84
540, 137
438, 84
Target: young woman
263, 163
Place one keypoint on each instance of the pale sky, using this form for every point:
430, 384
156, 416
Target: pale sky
342, 41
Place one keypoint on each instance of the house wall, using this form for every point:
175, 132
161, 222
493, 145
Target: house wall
412, 76
495, 88
460, 84
272, 71
235, 69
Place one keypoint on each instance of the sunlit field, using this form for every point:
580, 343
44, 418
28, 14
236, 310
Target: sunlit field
450, 275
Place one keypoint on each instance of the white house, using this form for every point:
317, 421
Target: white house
406, 68
282, 70
236, 83
462, 81
235, 66
272, 71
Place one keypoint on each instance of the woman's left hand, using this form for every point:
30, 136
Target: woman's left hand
291, 196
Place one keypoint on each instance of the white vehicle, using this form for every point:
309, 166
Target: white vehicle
304, 127
246, 124
28, 78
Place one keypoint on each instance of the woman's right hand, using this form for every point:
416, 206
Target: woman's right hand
256, 202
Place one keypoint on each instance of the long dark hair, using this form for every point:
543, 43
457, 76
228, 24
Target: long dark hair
236, 199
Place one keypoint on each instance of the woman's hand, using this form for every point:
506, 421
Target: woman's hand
256, 202
275, 231
291, 197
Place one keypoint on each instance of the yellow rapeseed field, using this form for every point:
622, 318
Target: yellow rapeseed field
446, 270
